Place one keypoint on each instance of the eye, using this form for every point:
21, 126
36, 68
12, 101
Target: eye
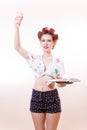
49, 40
43, 40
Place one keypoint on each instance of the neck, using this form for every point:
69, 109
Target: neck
47, 54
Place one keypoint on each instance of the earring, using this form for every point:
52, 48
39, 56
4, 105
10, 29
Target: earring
53, 47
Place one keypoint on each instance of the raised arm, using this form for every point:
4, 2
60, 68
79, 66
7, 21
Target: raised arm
17, 42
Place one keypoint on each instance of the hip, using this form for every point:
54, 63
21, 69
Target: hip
46, 96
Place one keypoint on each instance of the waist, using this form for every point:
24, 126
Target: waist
42, 83
46, 92
43, 88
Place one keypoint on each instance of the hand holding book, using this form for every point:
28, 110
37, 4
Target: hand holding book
64, 80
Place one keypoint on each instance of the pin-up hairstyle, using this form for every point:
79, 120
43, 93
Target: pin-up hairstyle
47, 30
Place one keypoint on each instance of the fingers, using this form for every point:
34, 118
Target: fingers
69, 82
18, 18
19, 13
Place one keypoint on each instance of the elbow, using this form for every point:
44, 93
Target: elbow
16, 47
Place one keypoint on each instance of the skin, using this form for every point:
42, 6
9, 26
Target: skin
46, 43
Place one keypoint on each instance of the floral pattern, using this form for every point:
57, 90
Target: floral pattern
55, 69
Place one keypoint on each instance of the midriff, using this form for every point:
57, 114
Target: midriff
40, 84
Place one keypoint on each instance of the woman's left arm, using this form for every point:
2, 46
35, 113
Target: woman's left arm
63, 84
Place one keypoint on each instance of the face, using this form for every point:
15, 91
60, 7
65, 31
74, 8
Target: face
46, 42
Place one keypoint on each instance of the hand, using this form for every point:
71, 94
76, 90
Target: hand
63, 84
18, 19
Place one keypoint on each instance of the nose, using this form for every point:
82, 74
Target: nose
46, 42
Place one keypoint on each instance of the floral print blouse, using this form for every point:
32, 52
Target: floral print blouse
54, 70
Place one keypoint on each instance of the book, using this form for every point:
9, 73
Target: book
64, 80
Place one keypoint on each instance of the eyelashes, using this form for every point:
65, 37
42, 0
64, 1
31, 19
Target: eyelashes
46, 40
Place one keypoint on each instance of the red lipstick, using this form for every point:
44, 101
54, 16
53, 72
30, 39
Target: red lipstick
46, 47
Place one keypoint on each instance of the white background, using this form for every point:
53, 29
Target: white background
69, 19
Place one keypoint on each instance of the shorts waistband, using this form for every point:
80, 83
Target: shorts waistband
45, 92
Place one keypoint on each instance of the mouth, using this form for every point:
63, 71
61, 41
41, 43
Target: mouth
45, 47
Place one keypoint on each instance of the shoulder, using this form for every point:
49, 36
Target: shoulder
58, 60
33, 55
33, 59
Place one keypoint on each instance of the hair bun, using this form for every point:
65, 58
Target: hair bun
47, 30
52, 30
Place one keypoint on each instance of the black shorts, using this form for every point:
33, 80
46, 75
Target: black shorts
45, 102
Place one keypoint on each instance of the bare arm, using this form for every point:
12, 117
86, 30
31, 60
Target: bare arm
63, 84
17, 42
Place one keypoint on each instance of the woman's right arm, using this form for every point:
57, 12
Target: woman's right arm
17, 42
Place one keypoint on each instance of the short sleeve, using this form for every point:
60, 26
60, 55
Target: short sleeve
31, 60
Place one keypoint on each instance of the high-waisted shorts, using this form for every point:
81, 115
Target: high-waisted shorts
45, 102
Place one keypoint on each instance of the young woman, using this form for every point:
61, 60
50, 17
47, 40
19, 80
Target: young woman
45, 105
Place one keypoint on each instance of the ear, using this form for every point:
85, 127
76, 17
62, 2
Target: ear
54, 44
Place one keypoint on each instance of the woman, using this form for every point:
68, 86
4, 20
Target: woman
45, 105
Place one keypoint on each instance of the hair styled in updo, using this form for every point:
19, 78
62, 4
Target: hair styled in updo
47, 30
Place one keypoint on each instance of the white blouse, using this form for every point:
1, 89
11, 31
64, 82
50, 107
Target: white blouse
54, 70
